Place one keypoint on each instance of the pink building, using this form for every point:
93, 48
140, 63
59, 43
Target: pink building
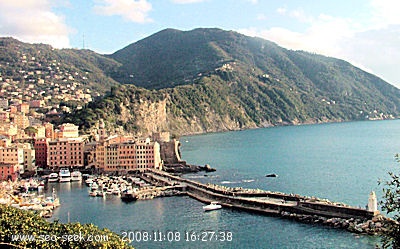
9, 171
66, 152
132, 155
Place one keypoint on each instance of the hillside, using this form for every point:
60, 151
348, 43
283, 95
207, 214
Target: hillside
42, 72
213, 80
204, 80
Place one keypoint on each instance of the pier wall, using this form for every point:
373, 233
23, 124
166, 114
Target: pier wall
245, 200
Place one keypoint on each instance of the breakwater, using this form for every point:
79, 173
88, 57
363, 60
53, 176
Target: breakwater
290, 206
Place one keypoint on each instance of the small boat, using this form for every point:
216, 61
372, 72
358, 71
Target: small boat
89, 180
212, 206
64, 175
128, 196
53, 177
271, 175
76, 176
93, 193
94, 186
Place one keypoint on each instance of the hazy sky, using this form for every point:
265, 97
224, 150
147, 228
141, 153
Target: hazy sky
363, 32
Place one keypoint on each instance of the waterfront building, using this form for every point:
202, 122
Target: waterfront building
66, 152
132, 155
9, 171
12, 156
29, 156
41, 150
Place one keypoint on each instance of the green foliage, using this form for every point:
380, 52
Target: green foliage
52, 235
391, 204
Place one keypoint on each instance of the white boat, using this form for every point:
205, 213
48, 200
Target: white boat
53, 177
94, 186
89, 180
212, 206
64, 175
76, 176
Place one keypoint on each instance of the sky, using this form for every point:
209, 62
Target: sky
364, 32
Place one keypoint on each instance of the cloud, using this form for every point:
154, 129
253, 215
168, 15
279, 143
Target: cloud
33, 21
385, 12
370, 43
131, 10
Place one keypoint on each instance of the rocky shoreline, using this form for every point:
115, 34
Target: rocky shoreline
183, 168
375, 226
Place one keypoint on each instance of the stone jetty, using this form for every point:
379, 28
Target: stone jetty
310, 210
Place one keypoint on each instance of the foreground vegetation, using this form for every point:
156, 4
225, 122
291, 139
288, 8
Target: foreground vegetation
15, 222
391, 205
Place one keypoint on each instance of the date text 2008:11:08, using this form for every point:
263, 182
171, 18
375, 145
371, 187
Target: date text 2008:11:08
175, 236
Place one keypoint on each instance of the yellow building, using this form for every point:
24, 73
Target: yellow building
13, 156
21, 120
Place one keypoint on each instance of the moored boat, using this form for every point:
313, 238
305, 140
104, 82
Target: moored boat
128, 196
53, 177
76, 176
212, 206
64, 175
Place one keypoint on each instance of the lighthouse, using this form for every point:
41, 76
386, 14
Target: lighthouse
372, 202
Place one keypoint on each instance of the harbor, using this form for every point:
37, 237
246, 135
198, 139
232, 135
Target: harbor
149, 184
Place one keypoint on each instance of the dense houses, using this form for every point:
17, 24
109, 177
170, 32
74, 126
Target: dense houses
26, 146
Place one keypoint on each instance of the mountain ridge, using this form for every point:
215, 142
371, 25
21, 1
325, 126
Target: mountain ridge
208, 80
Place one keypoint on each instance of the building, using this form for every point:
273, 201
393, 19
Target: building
66, 152
68, 131
41, 150
49, 130
12, 156
36, 103
132, 155
9, 172
3, 103
4, 116
23, 107
8, 130
29, 163
21, 120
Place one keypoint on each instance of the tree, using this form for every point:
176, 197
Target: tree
391, 204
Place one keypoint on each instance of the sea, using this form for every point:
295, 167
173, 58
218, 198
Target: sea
342, 162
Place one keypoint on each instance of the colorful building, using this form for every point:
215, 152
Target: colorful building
9, 171
132, 155
41, 150
66, 152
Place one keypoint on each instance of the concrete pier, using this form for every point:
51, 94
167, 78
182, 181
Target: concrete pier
292, 206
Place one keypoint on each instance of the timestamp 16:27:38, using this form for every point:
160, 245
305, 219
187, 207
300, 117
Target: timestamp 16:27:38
174, 236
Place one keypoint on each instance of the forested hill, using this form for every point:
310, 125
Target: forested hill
208, 80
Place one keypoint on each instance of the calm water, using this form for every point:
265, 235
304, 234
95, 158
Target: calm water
341, 162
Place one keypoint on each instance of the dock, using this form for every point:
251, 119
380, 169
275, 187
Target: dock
291, 206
